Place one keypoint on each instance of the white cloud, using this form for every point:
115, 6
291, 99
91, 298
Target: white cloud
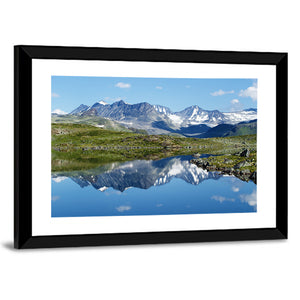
59, 179
251, 92
235, 189
59, 112
159, 87
123, 85
187, 86
251, 199
234, 101
123, 208
54, 95
236, 105
221, 93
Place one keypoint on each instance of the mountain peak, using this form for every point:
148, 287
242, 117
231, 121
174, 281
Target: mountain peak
120, 102
162, 109
81, 108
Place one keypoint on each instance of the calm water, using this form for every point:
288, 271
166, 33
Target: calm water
168, 186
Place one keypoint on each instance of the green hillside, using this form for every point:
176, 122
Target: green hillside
225, 130
88, 120
77, 146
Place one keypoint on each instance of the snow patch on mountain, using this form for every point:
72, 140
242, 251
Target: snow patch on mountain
194, 113
185, 171
103, 103
104, 188
162, 109
241, 116
177, 120
177, 168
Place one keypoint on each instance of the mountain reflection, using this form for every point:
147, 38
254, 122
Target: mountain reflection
141, 174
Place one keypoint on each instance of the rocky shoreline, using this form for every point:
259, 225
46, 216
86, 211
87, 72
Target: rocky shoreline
235, 164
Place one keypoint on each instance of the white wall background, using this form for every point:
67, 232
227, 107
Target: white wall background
244, 270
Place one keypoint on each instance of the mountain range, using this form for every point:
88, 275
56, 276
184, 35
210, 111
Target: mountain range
193, 121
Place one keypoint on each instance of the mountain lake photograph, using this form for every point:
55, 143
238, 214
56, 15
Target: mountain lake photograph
125, 146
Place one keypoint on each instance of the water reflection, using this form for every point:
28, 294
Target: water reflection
167, 186
141, 174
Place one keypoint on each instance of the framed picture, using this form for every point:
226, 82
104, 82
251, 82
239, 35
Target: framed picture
143, 146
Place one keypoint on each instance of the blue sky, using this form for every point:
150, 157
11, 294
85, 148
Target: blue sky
225, 95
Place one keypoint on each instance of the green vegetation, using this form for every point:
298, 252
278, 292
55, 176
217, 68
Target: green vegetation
88, 120
232, 160
224, 130
83, 146
244, 129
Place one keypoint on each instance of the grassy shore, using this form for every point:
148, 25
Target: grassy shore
81, 146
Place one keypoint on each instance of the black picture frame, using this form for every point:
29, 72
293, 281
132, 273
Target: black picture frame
23, 56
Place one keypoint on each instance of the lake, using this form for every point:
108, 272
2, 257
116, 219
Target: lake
144, 187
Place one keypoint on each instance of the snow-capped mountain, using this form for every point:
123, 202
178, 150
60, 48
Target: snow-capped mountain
241, 116
162, 109
194, 115
140, 116
158, 119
